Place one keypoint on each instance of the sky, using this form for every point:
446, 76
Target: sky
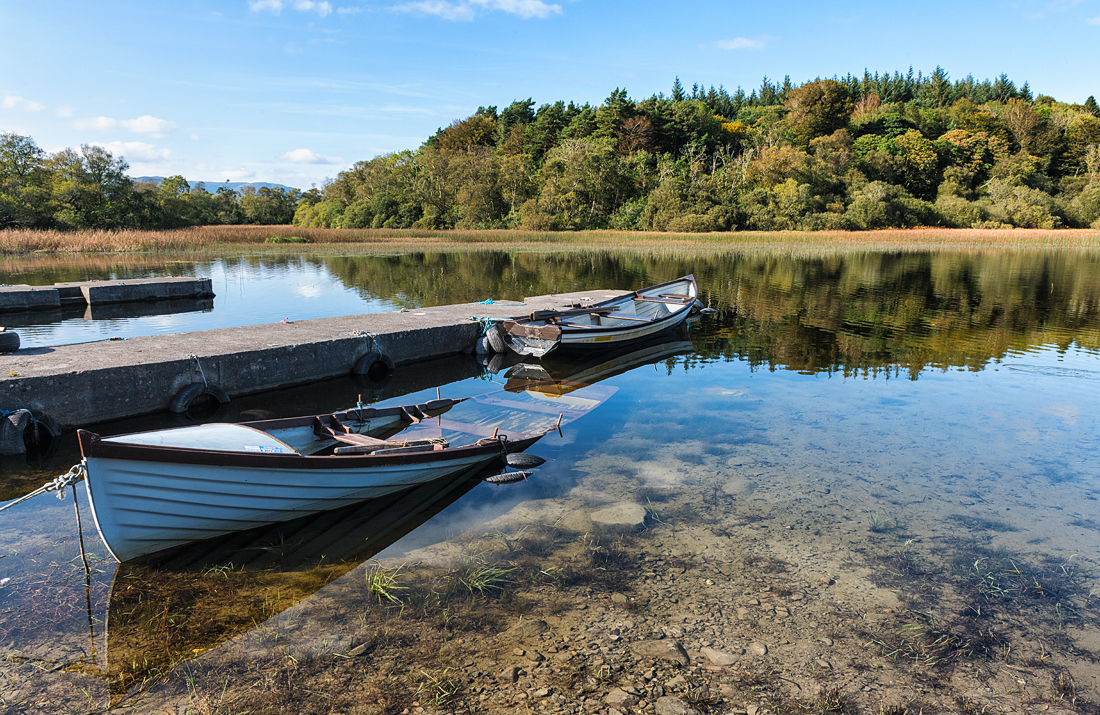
295, 91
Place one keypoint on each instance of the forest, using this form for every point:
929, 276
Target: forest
853, 153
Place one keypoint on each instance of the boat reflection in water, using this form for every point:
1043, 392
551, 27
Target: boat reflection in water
171, 606
557, 378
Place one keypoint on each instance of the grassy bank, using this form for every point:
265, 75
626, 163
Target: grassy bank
23, 242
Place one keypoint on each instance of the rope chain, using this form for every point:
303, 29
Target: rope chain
76, 473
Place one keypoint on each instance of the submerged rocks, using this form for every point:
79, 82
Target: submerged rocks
665, 649
623, 515
672, 705
717, 657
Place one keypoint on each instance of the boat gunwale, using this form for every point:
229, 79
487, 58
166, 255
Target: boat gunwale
92, 446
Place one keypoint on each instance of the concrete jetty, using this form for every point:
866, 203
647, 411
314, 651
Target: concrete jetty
19, 298
92, 382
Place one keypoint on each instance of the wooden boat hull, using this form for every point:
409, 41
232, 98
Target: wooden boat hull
617, 322
148, 497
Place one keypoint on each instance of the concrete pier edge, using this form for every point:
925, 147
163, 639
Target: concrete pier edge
93, 382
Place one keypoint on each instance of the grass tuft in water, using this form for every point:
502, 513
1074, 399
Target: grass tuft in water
384, 585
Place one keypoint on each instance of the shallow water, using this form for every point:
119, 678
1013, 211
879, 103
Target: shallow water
835, 416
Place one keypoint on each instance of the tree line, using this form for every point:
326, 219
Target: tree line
851, 153
859, 152
89, 189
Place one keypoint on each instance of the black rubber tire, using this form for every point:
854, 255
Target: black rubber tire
9, 341
376, 367
496, 340
41, 438
184, 397
522, 460
496, 363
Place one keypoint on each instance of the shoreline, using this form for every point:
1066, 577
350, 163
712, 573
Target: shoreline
27, 243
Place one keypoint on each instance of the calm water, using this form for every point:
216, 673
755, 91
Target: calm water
919, 397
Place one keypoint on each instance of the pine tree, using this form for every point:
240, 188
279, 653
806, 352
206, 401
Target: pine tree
677, 91
1090, 105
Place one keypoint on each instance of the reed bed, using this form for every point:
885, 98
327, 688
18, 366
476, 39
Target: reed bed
282, 238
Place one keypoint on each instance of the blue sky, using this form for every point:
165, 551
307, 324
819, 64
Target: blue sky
293, 91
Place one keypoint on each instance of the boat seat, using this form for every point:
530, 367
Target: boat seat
624, 316
661, 300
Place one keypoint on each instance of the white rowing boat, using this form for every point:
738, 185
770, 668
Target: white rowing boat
152, 491
615, 322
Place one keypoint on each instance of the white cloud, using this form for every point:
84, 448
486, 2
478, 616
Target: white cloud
523, 8
146, 124
64, 111
136, 151
1093, 20
305, 156
322, 8
95, 123
237, 174
349, 10
467, 10
12, 101
195, 137
740, 43
442, 8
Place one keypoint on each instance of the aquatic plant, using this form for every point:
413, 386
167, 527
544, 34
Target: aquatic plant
384, 584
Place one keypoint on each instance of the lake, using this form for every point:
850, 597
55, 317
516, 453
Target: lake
868, 481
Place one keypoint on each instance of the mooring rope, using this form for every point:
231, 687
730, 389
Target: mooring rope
369, 336
485, 322
74, 475
201, 373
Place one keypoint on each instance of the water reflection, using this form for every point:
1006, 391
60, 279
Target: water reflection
877, 422
854, 311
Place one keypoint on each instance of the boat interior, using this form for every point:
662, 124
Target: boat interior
632, 309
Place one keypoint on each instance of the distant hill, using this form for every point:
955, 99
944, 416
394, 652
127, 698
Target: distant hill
213, 186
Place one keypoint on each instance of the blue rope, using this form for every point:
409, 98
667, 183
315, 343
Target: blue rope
4, 414
484, 322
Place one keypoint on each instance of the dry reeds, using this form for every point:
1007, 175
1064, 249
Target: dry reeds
23, 241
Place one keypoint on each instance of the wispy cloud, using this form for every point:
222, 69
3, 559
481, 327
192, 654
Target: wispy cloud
305, 156
12, 101
136, 151
322, 8
462, 11
144, 124
741, 43
349, 10
1093, 20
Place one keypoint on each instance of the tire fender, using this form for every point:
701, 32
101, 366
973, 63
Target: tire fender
375, 366
9, 341
183, 398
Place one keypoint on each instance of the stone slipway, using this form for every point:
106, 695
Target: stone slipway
93, 382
